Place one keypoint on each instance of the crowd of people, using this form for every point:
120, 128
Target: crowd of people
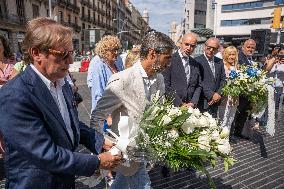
40, 128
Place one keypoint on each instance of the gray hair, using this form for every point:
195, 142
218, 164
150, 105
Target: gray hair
158, 41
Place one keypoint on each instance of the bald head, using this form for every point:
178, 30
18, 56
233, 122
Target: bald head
249, 47
188, 44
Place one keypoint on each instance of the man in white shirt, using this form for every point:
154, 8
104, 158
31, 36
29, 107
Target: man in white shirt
127, 94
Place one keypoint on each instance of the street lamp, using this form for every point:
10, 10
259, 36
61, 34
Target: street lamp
122, 26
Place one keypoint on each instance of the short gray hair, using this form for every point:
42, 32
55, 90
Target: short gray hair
158, 41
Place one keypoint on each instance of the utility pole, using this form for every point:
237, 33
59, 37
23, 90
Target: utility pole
50, 9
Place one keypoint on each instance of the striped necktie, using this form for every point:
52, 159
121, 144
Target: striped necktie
186, 68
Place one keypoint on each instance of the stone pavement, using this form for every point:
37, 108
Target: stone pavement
260, 162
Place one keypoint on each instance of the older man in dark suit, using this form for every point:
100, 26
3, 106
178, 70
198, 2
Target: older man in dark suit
182, 78
245, 58
39, 119
213, 77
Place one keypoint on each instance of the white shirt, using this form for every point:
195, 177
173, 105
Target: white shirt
278, 70
57, 94
149, 82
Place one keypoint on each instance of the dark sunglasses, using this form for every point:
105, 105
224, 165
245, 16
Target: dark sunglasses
61, 54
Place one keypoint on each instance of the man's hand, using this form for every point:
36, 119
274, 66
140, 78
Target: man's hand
109, 120
109, 161
216, 97
108, 144
188, 105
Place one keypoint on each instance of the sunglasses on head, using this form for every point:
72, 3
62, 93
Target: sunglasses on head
61, 54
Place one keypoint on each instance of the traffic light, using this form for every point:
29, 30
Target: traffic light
276, 18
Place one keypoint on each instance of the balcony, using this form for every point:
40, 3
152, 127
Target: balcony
86, 3
76, 27
84, 18
73, 8
62, 3
14, 19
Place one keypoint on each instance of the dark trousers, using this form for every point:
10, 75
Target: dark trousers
277, 95
241, 115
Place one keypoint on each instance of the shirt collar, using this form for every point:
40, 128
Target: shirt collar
181, 55
47, 82
208, 59
142, 71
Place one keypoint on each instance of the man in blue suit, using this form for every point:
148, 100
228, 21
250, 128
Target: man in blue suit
39, 119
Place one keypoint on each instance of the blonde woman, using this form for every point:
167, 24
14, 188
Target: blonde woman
228, 107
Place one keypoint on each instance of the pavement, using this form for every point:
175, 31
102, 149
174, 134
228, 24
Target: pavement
260, 161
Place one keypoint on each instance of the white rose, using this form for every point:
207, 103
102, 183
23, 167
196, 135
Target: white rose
174, 112
203, 122
196, 112
208, 115
187, 127
225, 132
173, 134
212, 123
215, 135
224, 146
203, 142
166, 119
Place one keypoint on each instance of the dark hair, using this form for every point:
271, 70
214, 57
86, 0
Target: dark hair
158, 41
7, 50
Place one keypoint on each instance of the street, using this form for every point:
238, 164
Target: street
259, 162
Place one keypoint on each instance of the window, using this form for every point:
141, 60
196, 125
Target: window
20, 8
83, 11
76, 20
69, 18
35, 10
61, 16
242, 22
47, 12
241, 6
83, 26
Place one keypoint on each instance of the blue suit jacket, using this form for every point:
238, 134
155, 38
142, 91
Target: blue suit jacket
39, 151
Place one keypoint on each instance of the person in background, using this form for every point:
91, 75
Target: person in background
213, 77
228, 106
7, 61
42, 131
132, 56
275, 69
242, 115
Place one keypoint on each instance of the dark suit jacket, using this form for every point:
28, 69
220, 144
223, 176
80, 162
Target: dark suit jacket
39, 151
243, 60
176, 84
210, 85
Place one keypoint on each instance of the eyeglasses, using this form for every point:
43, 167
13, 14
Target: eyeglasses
211, 48
61, 54
116, 50
190, 45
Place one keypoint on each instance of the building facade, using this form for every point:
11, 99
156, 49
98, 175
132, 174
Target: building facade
89, 19
236, 19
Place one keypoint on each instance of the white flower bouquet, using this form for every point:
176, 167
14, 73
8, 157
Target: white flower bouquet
180, 138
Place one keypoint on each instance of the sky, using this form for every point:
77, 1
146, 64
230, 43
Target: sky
161, 12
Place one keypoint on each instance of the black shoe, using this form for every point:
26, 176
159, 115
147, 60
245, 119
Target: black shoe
165, 172
233, 139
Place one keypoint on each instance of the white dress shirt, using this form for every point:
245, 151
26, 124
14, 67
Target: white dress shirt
57, 94
211, 65
149, 82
